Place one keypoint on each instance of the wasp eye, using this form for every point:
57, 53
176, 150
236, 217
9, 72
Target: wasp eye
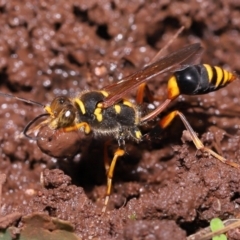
58, 104
61, 100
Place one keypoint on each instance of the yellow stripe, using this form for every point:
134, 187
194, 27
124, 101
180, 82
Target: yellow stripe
100, 105
104, 93
173, 90
138, 134
219, 75
81, 105
98, 114
209, 72
226, 77
127, 103
117, 108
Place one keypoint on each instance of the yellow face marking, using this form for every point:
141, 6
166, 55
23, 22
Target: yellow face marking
117, 108
127, 103
173, 89
98, 114
138, 134
219, 75
104, 93
81, 105
209, 72
49, 110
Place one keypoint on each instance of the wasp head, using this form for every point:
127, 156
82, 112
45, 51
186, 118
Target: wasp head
62, 112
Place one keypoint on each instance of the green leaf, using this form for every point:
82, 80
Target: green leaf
5, 234
220, 237
217, 224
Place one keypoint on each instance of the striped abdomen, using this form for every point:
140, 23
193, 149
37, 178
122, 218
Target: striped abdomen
198, 79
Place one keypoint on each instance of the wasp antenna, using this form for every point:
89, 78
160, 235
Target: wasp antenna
22, 99
28, 126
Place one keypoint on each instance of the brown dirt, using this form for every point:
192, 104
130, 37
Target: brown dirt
162, 188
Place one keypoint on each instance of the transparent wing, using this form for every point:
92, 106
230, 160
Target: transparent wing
171, 62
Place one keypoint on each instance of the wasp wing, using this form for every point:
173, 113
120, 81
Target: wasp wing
172, 62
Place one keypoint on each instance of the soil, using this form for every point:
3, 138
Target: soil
162, 188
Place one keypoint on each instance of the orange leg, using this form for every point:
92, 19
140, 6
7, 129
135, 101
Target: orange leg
106, 158
143, 89
119, 152
140, 94
77, 126
197, 142
156, 111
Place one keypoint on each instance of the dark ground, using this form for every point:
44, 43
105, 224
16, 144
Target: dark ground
162, 188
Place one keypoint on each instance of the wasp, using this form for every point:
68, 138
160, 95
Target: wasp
107, 112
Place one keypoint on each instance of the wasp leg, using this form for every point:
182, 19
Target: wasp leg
156, 111
77, 126
144, 89
106, 158
197, 142
119, 152
28, 130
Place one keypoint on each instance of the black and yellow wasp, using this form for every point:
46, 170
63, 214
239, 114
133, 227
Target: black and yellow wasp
107, 112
